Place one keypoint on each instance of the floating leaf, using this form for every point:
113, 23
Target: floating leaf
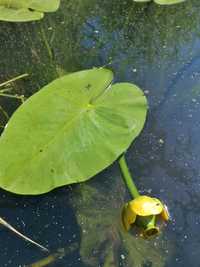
162, 2
69, 131
26, 10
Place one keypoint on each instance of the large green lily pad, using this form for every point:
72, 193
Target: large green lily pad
26, 10
69, 131
162, 2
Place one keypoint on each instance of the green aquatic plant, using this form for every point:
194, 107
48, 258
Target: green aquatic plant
69, 131
5, 91
5, 87
161, 2
104, 241
55, 257
143, 211
26, 10
79, 125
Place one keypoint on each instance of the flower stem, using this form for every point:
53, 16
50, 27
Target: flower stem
127, 177
147, 222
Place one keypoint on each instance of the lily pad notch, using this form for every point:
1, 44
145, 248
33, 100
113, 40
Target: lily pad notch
69, 131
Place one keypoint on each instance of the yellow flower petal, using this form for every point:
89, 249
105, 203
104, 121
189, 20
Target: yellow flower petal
146, 206
128, 216
165, 213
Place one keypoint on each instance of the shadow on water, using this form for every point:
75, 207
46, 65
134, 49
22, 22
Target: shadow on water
158, 48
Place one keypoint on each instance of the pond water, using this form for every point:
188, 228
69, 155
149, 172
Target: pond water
157, 48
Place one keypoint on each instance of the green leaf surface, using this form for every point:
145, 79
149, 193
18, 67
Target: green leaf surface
168, 2
162, 2
26, 10
19, 15
69, 131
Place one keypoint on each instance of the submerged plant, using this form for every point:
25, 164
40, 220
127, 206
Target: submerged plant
26, 10
161, 2
5, 89
104, 241
55, 257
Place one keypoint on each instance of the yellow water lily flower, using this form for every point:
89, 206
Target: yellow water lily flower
144, 211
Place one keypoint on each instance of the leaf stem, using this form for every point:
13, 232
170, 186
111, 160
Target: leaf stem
4, 113
14, 79
127, 177
46, 43
12, 96
147, 222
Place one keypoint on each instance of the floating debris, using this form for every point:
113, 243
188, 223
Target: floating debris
10, 227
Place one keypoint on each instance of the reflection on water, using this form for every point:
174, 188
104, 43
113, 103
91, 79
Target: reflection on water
157, 48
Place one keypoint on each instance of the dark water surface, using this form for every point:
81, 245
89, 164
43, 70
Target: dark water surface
157, 48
